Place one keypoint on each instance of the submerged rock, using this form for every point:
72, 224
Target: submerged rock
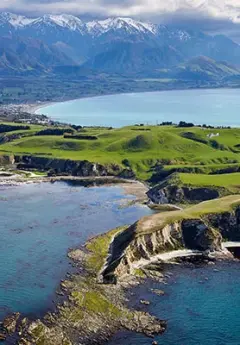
158, 292
144, 323
3, 333
142, 301
10, 322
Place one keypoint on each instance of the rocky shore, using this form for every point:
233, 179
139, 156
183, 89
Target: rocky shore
92, 311
110, 264
95, 304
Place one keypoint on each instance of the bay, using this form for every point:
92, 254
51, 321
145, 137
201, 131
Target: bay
220, 107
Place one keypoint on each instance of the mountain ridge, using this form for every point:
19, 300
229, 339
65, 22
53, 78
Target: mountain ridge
123, 45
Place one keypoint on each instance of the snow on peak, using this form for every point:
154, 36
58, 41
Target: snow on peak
93, 28
67, 21
14, 19
128, 24
63, 20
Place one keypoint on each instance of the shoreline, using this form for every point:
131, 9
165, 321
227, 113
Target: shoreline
150, 327
35, 107
129, 187
79, 257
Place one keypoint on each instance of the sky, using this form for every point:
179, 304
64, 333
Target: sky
214, 16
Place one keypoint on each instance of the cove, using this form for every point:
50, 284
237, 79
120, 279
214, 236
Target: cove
219, 107
201, 306
38, 224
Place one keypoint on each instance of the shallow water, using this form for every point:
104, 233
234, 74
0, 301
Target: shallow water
200, 304
216, 107
38, 223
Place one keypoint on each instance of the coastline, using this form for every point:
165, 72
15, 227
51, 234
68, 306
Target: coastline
35, 107
40, 179
86, 259
129, 187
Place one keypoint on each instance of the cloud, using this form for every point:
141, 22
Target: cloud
220, 9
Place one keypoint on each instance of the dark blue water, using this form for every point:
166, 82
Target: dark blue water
216, 107
38, 224
201, 305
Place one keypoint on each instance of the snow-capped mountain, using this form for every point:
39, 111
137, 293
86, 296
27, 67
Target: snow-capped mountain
72, 23
63, 21
114, 24
14, 20
111, 41
66, 24
93, 29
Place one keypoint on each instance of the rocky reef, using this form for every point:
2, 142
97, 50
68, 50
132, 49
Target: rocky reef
95, 303
92, 311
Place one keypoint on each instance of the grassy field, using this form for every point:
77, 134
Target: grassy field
138, 147
158, 221
229, 181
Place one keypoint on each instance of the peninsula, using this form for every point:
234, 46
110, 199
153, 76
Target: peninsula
193, 174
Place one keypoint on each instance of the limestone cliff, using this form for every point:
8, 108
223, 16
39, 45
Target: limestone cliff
169, 231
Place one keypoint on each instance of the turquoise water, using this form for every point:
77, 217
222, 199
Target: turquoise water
201, 306
215, 107
38, 224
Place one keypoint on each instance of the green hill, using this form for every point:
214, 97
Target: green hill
204, 68
146, 149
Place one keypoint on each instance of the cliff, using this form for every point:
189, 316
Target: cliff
7, 160
69, 167
180, 188
174, 194
202, 227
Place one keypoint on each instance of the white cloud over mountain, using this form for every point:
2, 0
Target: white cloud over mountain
216, 9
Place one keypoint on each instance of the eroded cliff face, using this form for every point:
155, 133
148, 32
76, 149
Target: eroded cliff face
7, 160
72, 168
175, 194
61, 166
228, 223
132, 249
142, 247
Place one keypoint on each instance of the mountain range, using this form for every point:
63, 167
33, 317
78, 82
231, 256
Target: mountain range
115, 45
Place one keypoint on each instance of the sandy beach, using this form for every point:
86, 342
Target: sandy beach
35, 107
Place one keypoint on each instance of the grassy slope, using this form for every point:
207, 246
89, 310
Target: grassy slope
158, 221
230, 181
142, 148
